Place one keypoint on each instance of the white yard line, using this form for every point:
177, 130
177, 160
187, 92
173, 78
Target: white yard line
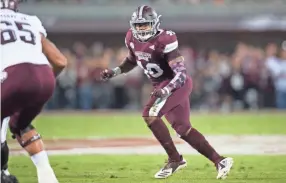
228, 144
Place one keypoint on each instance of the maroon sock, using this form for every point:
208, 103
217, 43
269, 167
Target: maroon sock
162, 134
199, 142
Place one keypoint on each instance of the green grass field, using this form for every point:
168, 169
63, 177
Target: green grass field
80, 126
131, 169
141, 168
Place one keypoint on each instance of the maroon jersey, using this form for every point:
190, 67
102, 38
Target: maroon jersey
153, 56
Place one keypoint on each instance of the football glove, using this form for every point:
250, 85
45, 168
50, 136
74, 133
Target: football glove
160, 92
106, 74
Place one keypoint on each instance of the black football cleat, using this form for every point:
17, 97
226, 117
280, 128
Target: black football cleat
8, 178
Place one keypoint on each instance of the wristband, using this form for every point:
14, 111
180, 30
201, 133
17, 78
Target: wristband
116, 71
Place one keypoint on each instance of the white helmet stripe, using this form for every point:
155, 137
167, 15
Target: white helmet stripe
141, 12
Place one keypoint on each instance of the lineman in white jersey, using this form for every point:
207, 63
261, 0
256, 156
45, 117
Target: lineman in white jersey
29, 63
19, 38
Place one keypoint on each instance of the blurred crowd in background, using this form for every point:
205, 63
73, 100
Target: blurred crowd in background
249, 73
245, 78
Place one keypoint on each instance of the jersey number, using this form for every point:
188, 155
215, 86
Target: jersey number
151, 70
8, 35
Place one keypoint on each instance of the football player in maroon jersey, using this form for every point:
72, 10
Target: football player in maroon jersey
156, 51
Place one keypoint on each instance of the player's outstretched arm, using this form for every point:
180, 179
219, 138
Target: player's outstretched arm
55, 57
126, 66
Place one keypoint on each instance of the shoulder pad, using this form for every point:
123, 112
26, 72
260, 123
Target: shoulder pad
128, 38
35, 21
169, 41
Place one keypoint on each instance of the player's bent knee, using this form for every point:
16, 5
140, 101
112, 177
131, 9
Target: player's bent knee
182, 129
150, 119
26, 136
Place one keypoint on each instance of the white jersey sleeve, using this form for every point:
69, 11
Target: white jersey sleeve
36, 22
